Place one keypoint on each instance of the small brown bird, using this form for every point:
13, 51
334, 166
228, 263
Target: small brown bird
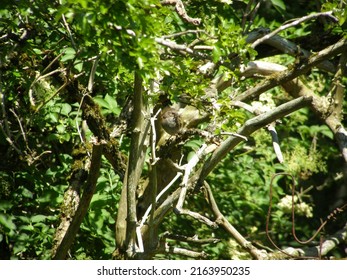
171, 121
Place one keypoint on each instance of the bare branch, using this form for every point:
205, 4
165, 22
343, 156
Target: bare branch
222, 221
174, 46
248, 128
154, 138
198, 31
145, 216
289, 75
193, 239
181, 11
68, 29
179, 206
184, 252
287, 47
292, 24
92, 74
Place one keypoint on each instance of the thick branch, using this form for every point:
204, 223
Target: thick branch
138, 147
291, 74
82, 208
248, 128
292, 24
321, 250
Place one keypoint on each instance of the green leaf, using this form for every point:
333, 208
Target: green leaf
65, 109
5, 205
216, 54
279, 4
38, 218
69, 53
61, 128
112, 104
7, 222
101, 101
79, 66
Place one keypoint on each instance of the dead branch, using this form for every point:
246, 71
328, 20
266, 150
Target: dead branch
184, 252
293, 23
248, 128
187, 172
194, 239
181, 11
290, 74
329, 243
223, 222
327, 108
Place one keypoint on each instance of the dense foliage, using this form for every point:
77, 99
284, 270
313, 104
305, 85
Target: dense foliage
79, 74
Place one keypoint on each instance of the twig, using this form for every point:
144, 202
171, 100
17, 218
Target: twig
185, 33
154, 138
21, 128
173, 45
188, 169
193, 239
153, 176
68, 30
222, 221
179, 206
235, 134
203, 47
92, 74
145, 216
248, 13
292, 24
9, 140
6, 129
184, 252
181, 11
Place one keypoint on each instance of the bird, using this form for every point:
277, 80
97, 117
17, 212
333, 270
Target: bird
171, 121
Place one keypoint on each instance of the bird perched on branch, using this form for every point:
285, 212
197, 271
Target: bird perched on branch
171, 121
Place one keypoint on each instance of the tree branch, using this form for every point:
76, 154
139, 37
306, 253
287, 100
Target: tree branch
248, 128
328, 244
138, 147
181, 11
293, 23
290, 74
222, 221
68, 236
